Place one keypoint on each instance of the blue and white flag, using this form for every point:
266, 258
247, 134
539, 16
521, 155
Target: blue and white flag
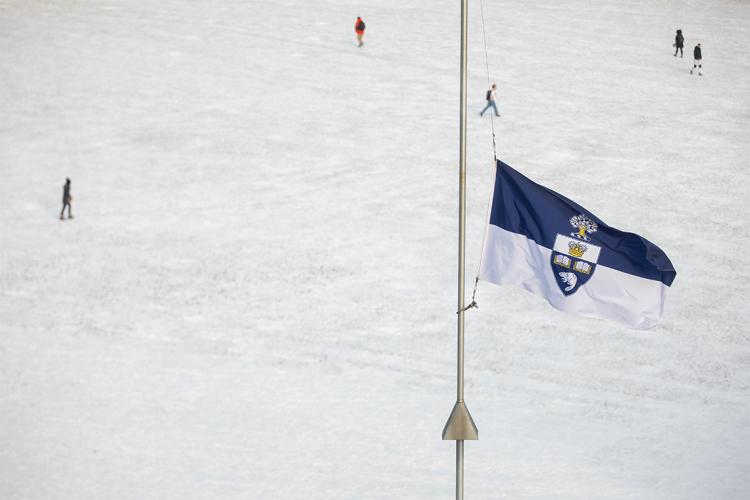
551, 246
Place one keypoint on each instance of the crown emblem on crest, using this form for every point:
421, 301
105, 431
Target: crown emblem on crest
577, 249
584, 225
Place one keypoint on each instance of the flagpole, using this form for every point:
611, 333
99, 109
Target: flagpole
462, 202
460, 425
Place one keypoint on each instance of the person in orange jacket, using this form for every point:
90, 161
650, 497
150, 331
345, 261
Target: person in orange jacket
359, 28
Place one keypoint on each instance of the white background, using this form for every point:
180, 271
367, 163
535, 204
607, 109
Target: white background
257, 296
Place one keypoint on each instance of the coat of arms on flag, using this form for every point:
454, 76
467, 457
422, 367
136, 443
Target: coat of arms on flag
574, 259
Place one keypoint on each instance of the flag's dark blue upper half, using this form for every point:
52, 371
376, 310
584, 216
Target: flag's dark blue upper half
525, 207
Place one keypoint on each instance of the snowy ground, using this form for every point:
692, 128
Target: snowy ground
256, 298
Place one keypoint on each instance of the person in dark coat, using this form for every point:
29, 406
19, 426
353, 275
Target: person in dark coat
679, 40
67, 198
697, 59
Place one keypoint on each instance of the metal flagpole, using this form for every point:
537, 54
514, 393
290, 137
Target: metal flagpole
460, 425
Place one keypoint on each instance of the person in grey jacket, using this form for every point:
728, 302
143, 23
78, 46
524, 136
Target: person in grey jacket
490, 97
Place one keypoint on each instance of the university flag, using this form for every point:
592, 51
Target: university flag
549, 245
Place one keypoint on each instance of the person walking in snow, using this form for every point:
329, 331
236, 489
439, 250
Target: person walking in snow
359, 29
679, 40
67, 198
697, 59
491, 95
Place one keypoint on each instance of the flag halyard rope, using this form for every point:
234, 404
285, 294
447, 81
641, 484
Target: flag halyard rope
487, 67
473, 303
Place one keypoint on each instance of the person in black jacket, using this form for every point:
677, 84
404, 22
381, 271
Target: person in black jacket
67, 198
698, 59
679, 40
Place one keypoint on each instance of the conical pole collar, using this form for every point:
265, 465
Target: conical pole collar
460, 425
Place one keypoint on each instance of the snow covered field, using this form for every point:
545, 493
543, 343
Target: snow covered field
256, 298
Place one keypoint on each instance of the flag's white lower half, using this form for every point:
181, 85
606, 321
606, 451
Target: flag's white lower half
511, 258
